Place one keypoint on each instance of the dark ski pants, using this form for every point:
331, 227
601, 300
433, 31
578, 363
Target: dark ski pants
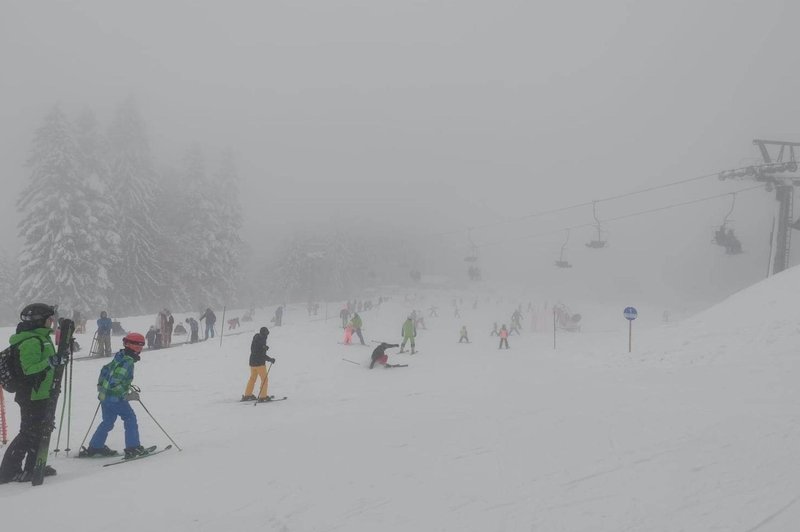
112, 410
209, 330
104, 339
503, 341
360, 337
26, 443
463, 339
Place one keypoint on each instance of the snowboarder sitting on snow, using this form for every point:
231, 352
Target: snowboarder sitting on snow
380, 357
113, 387
37, 356
464, 337
258, 367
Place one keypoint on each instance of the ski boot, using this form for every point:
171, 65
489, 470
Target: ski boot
92, 452
135, 452
27, 476
247, 398
266, 399
5, 478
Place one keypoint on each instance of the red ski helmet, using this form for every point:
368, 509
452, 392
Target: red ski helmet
134, 341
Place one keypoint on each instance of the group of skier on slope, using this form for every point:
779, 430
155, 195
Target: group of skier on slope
409, 333
38, 359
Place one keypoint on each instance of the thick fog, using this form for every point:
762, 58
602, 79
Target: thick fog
417, 120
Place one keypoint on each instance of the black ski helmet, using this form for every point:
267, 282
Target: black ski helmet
264, 331
37, 312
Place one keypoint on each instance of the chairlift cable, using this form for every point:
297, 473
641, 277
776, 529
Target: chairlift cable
622, 217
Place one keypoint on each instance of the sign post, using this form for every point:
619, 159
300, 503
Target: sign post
630, 314
554, 327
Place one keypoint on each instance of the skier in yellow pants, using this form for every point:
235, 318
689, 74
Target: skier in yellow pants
258, 367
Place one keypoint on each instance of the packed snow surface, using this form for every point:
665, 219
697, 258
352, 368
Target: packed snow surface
697, 430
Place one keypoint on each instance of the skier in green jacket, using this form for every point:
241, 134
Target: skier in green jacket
357, 323
37, 357
409, 333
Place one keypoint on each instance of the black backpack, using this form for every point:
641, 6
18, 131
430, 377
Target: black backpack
11, 375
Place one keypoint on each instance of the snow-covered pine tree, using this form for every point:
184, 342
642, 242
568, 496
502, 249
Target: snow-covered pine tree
138, 276
59, 241
292, 276
229, 223
95, 178
9, 280
173, 213
200, 270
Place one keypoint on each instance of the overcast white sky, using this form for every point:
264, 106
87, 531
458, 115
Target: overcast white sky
437, 113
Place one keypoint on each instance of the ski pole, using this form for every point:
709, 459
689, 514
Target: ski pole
222, 329
69, 406
356, 363
263, 383
159, 425
96, 410
63, 409
3, 425
66, 405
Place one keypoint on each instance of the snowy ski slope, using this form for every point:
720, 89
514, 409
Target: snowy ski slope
697, 430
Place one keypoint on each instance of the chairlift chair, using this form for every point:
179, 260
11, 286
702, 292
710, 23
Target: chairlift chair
562, 262
473, 253
601, 240
724, 236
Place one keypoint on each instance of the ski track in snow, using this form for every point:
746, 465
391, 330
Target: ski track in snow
697, 430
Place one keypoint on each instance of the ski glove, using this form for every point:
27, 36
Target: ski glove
55, 360
271, 360
132, 396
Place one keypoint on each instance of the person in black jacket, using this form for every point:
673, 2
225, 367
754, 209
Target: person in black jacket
379, 355
258, 367
211, 319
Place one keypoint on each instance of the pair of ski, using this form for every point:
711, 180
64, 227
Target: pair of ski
385, 365
150, 451
272, 399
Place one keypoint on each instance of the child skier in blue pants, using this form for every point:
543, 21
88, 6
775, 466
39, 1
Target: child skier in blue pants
112, 386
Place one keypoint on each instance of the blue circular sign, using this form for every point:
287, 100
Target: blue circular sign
630, 313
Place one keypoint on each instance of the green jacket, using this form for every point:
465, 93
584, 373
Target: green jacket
33, 357
356, 321
409, 331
